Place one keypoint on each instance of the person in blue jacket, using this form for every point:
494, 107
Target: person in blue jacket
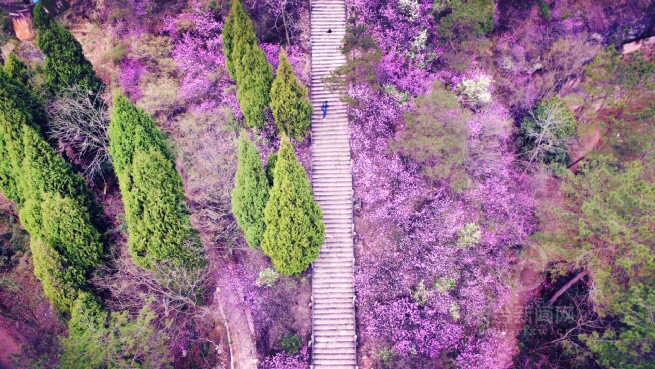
324, 107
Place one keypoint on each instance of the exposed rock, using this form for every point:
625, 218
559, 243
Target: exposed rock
631, 47
24, 24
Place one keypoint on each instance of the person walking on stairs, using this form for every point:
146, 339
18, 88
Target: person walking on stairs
324, 107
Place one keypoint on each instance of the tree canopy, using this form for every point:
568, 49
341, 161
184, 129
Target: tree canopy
294, 226
158, 223
250, 192
247, 65
607, 228
290, 103
65, 63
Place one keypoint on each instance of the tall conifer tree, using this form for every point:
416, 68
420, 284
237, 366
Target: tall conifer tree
247, 65
250, 192
294, 226
56, 208
157, 219
65, 64
290, 101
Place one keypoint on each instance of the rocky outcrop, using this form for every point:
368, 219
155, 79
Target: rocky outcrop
23, 24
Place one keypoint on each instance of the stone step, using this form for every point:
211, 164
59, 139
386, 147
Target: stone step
336, 324
334, 351
319, 26
338, 247
339, 353
343, 137
335, 339
336, 291
337, 281
344, 319
321, 195
325, 147
341, 162
338, 129
330, 167
327, 177
333, 299
333, 261
336, 345
336, 207
334, 268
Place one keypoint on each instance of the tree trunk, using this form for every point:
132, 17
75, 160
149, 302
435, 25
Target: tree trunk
568, 285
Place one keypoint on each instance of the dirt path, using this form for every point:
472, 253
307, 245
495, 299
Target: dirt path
239, 325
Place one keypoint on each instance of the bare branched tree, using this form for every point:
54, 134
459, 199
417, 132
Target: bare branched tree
79, 122
548, 132
176, 292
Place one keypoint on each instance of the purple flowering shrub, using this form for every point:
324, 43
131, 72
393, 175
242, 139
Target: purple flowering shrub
421, 295
283, 360
433, 258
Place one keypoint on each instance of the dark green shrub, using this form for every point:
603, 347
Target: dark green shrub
294, 226
544, 10
467, 19
250, 192
435, 133
100, 340
291, 344
66, 248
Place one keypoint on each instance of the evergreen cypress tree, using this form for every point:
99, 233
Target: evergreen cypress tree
56, 208
294, 226
158, 223
65, 246
238, 30
10, 112
65, 64
20, 74
43, 171
100, 340
247, 65
255, 77
290, 101
14, 115
250, 192
7, 182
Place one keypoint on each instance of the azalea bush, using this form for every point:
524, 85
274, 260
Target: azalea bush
431, 282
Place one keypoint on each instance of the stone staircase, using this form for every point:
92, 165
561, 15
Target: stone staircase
334, 341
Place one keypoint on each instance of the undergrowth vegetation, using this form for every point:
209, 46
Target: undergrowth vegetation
503, 184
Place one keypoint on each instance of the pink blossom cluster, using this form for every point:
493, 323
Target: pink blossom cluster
406, 35
419, 295
198, 54
421, 220
131, 73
